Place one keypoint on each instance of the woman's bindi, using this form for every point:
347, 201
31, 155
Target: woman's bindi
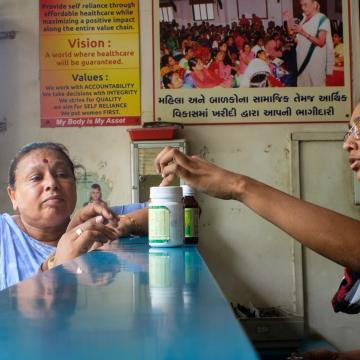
45, 161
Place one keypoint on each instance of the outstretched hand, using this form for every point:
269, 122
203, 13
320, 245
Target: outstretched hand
197, 173
298, 29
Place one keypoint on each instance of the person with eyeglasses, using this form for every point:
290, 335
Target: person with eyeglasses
330, 234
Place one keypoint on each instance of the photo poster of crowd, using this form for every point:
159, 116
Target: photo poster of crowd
251, 61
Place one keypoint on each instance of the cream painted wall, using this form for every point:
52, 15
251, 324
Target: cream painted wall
318, 159
249, 257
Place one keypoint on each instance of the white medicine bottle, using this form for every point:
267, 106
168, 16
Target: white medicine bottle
166, 214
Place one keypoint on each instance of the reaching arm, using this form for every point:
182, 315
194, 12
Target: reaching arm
332, 235
136, 222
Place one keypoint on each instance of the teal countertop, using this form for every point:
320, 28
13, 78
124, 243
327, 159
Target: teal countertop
127, 302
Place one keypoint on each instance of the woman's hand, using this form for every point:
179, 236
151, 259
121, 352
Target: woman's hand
87, 236
298, 29
286, 16
90, 211
125, 226
319, 40
197, 173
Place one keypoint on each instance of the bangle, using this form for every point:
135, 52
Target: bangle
134, 225
49, 263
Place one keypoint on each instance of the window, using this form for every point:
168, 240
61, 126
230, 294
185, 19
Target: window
203, 12
166, 14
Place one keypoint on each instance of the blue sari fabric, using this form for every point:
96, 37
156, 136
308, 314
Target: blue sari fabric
21, 255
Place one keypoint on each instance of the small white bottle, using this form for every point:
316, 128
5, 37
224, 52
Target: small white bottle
166, 213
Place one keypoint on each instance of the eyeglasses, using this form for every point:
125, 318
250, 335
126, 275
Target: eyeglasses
353, 131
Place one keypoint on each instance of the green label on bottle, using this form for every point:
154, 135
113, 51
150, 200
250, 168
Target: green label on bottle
191, 269
159, 270
159, 224
191, 222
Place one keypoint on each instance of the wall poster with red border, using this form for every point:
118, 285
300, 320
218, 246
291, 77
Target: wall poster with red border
89, 63
219, 62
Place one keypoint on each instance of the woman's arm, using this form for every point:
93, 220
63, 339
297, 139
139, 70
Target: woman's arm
136, 222
87, 231
332, 235
316, 40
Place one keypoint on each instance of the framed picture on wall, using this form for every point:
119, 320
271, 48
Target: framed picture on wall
245, 61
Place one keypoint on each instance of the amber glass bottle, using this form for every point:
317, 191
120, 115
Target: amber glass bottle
191, 216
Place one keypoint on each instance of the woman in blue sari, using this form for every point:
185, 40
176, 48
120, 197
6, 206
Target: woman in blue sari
42, 189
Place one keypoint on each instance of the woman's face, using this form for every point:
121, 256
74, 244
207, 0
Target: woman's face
176, 81
199, 65
219, 56
171, 61
336, 39
352, 142
308, 7
263, 56
247, 48
223, 47
190, 54
45, 189
230, 41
